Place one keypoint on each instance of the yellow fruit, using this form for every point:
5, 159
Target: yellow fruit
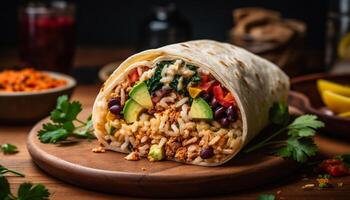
324, 85
194, 92
344, 114
344, 47
335, 102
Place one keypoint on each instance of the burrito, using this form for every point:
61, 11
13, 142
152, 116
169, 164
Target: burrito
198, 102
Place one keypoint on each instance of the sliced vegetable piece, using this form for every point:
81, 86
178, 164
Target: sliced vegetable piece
140, 94
226, 100
156, 153
206, 86
200, 109
132, 110
133, 76
194, 92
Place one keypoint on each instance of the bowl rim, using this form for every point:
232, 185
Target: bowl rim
71, 83
308, 107
315, 76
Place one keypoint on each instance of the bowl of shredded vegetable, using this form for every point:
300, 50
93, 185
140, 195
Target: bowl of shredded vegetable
28, 95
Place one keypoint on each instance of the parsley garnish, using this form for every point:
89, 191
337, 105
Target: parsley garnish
299, 145
8, 148
266, 197
63, 123
4, 170
26, 191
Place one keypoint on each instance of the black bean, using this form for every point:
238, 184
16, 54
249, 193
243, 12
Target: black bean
116, 109
219, 112
224, 122
231, 113
205, 96
214, 103
113, 101
206, 153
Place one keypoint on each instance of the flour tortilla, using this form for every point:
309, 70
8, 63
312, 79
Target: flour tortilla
254, 82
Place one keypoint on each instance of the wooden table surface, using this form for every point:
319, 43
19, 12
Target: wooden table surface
286, 188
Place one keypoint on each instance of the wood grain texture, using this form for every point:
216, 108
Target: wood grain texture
109, 172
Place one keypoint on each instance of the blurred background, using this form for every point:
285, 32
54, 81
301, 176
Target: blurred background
300, 36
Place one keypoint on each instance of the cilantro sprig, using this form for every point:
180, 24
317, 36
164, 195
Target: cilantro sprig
64, 123
299, 145
26, 191
8, 148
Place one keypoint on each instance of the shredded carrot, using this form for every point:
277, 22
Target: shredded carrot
27, 80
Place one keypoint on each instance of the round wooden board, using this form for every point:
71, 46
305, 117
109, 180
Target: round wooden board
75, 163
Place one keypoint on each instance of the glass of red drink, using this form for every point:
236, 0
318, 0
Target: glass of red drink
47, 35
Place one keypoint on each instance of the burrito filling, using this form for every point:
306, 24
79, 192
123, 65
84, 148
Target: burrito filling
173, 110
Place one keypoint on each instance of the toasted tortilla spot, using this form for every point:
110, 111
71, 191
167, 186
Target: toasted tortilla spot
240, 64
184, 45
222, 62
211, 53
245, 82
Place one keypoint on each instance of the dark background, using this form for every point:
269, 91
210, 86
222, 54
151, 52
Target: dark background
116, 23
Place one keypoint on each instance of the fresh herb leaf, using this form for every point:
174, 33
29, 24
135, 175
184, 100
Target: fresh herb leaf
65, 111
279, 114
298, 149
306, 121
299, 145
154, 84
4, 188
8, 148
4, 170
86, 130
51, 133
173, 84
28, 191
266, 197
63, 120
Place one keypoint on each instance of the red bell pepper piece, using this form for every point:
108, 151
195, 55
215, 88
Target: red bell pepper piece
206, 86
226, 100
204, 78
133, 76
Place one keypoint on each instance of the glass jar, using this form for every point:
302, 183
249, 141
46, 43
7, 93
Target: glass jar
47, 35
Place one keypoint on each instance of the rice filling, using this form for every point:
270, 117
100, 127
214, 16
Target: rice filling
173, 110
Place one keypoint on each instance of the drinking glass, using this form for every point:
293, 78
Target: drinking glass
47, 35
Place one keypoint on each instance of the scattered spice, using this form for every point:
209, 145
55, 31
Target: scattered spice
143, 169
27, 80
98, 150
323, 181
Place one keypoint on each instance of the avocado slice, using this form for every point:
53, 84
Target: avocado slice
200, 109
140, 94
132, 110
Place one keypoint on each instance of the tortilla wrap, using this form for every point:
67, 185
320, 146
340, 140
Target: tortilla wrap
254, 82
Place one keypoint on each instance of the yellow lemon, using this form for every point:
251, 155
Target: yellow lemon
344, 114
335, 102
324, 85
344, 47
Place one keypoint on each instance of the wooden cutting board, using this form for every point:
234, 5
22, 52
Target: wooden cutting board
75, 163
